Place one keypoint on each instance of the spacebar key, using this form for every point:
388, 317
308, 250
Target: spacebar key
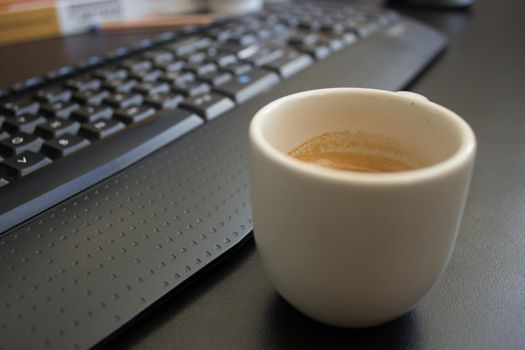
245, 86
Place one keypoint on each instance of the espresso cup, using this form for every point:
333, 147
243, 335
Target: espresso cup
354, 249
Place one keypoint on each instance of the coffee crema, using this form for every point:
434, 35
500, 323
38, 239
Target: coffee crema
357, 151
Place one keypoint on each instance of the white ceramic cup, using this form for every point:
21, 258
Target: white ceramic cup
357, 249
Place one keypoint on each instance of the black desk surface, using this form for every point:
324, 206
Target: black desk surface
480, 301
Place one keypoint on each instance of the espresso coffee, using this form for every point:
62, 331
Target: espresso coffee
357, 151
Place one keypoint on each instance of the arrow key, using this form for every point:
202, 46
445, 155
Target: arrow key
22, 164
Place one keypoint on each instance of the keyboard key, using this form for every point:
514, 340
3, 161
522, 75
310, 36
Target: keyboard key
92, 113
137, 64
303, 39
92, 97
189, 45
291, 21
122, 86
101, 129
57, 127
147, 76
173, 66
23, 164
192, 89
389, 18
216, 78
59, 109
90, 62
278, 30
290, 63
143, 44
242, 52
3, 181
244, 40
20, 106
152, 88
164, 101
264, 33
82, 83
26, 84
194, 58
178, 77
318, 51
111, 73
211, 52
164, 37
209, 106
310, 25
159, 56
247, 52
134, 114
61, 72
251, 24
246, 86
117, 53
349, 38
333, 28
53, 94
220, 34
119, 100
266, 56
335, 44
201, 68
3, 135
224, 59
238, 68
18, 143
365, 29
25, 123
63, 145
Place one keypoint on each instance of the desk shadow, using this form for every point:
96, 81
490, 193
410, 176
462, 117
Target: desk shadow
287, 328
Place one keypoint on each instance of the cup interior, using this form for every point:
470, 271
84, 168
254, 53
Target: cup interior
433, 131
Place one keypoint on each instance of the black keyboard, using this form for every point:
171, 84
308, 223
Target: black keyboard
148, 144
135, 100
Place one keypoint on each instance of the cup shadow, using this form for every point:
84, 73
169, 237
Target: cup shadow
287, 328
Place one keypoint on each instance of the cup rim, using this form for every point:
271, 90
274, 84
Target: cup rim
466, 150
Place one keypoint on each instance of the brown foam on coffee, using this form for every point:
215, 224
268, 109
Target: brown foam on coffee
357, 151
